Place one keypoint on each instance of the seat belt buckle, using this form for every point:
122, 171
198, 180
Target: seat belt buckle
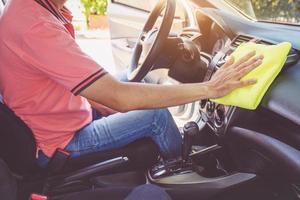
38, 197
58, 161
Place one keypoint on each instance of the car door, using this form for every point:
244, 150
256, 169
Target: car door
126, 20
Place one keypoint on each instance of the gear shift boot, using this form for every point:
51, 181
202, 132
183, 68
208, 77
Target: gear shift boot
190, 130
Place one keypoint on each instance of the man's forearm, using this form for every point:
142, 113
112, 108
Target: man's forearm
124, 97
148, 96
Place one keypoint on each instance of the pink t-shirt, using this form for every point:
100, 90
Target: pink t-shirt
42, 70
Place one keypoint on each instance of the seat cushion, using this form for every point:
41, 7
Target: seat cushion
141, 153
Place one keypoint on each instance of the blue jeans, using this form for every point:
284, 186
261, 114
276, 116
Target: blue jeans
120, 129
148, 192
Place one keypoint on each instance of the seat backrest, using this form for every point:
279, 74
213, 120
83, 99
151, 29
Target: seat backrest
8, 183
17, 144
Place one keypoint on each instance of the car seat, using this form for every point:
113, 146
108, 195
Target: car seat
18, 150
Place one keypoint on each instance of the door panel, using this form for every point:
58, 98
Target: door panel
125, 25
126, 20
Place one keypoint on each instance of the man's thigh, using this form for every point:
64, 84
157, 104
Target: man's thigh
114, 131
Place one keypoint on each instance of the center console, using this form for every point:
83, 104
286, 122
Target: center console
200, 168
204, 162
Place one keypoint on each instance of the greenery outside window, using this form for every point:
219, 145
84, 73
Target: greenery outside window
277, 11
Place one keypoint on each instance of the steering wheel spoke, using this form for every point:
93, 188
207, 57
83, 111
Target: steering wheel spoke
151, 41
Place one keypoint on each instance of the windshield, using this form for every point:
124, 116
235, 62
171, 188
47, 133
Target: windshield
277, 11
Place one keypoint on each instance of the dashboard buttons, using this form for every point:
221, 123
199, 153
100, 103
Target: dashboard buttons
220, 115
210, 108
203, 103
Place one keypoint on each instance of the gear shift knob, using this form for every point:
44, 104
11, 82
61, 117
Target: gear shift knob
190, 130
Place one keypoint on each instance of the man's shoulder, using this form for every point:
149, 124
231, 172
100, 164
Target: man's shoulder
21, 16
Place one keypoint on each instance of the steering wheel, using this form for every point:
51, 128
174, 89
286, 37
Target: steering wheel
151, 40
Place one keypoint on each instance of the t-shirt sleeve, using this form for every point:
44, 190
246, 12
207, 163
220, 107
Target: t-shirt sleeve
49, 48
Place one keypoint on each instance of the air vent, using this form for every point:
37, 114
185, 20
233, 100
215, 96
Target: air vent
243, 39
293, 56
240, 40
187, 34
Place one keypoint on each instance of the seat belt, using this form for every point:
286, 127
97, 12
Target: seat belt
58, 162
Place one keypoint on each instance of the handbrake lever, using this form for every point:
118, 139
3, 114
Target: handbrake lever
205, 151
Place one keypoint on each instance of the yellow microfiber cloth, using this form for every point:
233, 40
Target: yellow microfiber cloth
250, 97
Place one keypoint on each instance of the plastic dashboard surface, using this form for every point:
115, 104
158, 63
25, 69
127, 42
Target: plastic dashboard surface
284, 95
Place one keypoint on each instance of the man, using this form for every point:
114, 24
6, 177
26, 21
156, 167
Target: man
49, 83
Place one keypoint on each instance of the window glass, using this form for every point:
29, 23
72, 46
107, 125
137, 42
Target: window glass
148, 5
277, 11
1, 7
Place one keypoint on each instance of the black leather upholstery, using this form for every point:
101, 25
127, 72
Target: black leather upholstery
17, 144
8, 184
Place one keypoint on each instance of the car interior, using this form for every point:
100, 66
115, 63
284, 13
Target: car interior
228, 152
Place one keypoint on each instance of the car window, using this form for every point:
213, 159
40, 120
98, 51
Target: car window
1, 7
277, 11
148, 6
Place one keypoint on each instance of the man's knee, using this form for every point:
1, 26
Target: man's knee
161, 121
160, 115
164, 114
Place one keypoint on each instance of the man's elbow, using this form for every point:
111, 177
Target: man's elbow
122, 106
123, 110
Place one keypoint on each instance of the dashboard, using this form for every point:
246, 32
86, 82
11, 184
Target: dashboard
217, 116
269, 134
219, 34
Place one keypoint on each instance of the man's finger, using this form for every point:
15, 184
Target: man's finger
229, 62
249, 68
245, 83
244, 59
249, 62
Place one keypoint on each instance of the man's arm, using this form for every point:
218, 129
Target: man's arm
125, 97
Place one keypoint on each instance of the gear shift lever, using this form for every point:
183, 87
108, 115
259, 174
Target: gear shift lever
190, 130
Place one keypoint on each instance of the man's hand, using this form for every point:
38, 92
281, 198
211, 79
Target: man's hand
228, 77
